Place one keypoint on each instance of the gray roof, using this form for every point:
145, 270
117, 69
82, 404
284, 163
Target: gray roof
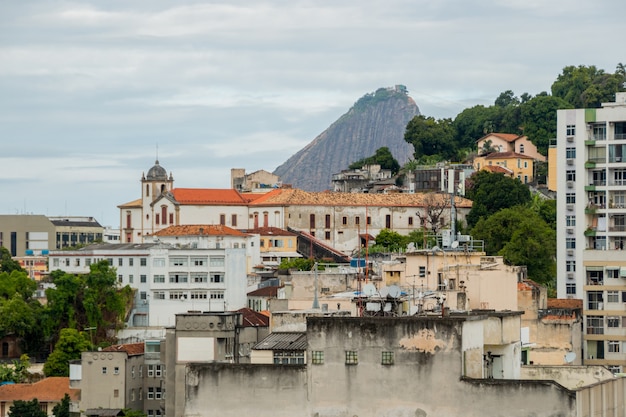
157, 172
75, 223
283, 341
104, 412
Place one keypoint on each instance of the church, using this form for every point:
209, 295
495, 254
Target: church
339, 220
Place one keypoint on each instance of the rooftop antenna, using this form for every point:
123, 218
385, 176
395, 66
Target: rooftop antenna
157, 152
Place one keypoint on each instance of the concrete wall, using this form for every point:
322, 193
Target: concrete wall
570, 376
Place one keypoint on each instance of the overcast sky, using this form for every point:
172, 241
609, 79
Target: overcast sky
89, 89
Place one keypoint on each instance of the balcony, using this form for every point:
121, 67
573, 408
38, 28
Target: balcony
590, 187
590, 164
590, 231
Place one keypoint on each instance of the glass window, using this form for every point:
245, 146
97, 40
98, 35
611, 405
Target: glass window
143, 262
570, 266
570, 198
317, 357
570, 153
570, 243
570, 288
570, 175
387, 358
216, 261
570, 221
158, 262
612, 321
570, 130
352, 357
143, 278
612, 296
159, 279
614, 346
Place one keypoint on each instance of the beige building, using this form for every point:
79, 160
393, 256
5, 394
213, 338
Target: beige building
257, 181
519, 166
420, 366
32, 234
48, 392
508, 142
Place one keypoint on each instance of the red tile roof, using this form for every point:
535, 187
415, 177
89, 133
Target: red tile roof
497, 169
199, 229
294, 196
507, 155
130, 204
130, 348
253, 318
509, 137
51, 389
565, 303
209, 196
270, 231
264, 292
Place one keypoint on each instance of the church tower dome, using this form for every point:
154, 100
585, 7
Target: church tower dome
157, 173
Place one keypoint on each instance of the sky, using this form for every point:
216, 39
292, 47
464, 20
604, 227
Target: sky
92, 92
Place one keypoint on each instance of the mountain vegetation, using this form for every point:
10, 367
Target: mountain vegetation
382, 157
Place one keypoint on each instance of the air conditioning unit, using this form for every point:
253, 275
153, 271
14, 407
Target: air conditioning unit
570, 231
570, 184
570, 161
570, 296
570, 275
570, 252
570, 138
570, 207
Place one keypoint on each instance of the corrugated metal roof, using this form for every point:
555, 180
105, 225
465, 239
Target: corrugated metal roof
283, 341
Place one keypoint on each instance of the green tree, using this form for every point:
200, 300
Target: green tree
300, 264
132, 413
7, 263
506, 99
69, 347
391, 240
62, 409
491, 192
470, 124
18, 283
538, 119
26, 409
382, 157
431, 137
17, 371
587, 87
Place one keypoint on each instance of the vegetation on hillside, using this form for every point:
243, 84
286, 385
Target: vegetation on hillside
382, 157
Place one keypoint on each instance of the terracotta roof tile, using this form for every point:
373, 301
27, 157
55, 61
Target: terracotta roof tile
130, 348
565, 303
253, 318
47, 390
497, 169
293, 196
264, 292
199, 229
507, 155
208, 196
270, 231
509, 137
134, 203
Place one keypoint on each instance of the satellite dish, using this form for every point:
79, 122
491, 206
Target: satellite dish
384, 292
394, 291
369, 290
455, 244
570, 357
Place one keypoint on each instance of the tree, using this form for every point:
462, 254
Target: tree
522, 237
26, 409
390, 240
69, 347
17, 371
473, 123
587, 87
382, 157
434, 207
62, 409
491, 192
538, 119
507, 98
7, 263
431, 137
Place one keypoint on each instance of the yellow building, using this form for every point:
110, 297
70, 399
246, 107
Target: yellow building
520, 166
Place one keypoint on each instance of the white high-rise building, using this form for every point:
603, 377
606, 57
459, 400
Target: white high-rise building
591, 225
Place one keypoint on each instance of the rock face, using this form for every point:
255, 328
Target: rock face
376, 120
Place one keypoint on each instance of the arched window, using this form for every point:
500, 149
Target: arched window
164, 214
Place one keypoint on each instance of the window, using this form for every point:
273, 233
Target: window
198, 295
140, 391
570, 198
171, 218
177, 295
77, 262
222, 219
369, 220
132, 394
570, 243
217, 295
595, 325
55, 262
143, 279
120, 261
150, 392
198, 261
120, 278
199, 277
140, 376
344, 220
289, 358
216, 261
570, 266
317, 357
116, 370
570, 175
158, 279
143, 261
217, 278
570, 153
570, 130
131, 261
109, 260
143, 295
157, 219
357, 220
612, 273
312, 221
612, 296
116, 393
159, 295
131, 278
422, 273
327, 221
233, 220
410, 221
158, 262
327, 235
132, 371
177, 278
570, 288
104, 370
570, 221
614, 346
352, 357
612, 321
178, 261
387, 358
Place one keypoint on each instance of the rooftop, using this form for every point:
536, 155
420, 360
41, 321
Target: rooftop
47, 390
199, 230
283, 341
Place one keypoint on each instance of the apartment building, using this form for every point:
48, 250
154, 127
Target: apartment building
169, 278
591, 225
